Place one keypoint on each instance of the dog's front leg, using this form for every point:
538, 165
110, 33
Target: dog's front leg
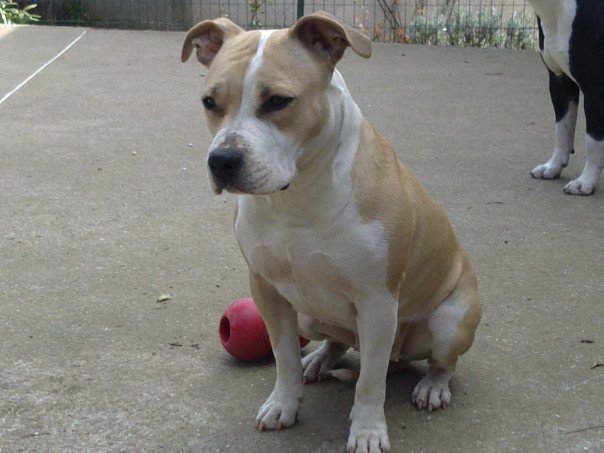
376, 324
281, 407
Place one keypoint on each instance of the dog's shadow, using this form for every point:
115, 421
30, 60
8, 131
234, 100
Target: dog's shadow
330, 401
323, 420
400, 381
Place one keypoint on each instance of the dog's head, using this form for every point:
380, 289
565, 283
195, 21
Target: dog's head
265, 95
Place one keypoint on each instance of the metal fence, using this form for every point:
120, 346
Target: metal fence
479, 23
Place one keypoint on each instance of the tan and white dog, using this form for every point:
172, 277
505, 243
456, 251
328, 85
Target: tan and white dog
341, 240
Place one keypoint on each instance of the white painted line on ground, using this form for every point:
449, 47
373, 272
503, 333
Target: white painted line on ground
41, 68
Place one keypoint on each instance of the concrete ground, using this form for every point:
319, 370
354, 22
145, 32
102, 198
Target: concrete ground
105, 206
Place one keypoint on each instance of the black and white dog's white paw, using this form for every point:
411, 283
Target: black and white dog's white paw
581, 186
547, 170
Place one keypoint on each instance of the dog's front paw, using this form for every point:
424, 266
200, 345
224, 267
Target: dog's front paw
368, 431
580, 186
547, 171
432, 392
279, 410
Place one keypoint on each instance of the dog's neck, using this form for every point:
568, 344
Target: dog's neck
323, 176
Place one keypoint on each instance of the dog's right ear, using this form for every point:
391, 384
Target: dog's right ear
207, 37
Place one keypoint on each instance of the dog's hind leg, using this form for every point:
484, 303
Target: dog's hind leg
452, 326
318, 364
336, 341
585, 184
565, 98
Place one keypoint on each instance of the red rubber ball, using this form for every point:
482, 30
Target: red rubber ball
243, 332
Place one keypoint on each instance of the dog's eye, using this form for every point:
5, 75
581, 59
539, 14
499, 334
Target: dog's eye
276, 102
209, 103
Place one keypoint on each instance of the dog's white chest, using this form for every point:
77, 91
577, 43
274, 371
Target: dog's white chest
318, 269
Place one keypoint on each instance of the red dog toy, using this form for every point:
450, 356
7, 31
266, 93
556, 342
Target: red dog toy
243, 333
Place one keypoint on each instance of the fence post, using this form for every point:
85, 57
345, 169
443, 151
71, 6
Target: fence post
300, 9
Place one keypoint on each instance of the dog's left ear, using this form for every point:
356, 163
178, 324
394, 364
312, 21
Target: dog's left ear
207, 37
327, 36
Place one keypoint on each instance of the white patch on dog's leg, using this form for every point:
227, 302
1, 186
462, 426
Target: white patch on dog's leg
586, 183
318, 364
565, 136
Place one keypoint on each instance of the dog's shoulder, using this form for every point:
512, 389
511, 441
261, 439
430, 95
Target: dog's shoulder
386, 191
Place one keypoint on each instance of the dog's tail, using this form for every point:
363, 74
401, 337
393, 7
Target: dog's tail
350, 375
344, 374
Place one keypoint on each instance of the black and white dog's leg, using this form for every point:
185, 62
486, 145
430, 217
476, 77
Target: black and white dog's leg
565, 97
594, 145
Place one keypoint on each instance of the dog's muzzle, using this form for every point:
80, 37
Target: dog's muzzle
225, 166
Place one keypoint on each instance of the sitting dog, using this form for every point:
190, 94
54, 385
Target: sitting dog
571, 41
342, 242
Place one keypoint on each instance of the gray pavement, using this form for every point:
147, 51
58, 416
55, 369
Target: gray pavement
105, 206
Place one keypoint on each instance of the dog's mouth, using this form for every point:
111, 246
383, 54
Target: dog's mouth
219, 189
245, 185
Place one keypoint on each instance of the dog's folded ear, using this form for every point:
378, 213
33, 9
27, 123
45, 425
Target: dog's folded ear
327, 36
207, 37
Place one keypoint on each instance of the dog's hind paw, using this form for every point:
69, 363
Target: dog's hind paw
432, 393
318, 364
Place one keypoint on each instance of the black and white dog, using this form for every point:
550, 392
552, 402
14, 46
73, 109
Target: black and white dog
571, 40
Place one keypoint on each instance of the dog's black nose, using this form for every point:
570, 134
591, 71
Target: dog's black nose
225, 163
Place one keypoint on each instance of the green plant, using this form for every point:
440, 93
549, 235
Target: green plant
430, 31
255, 7
476, 28
11, 14
517, 34
473, 28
